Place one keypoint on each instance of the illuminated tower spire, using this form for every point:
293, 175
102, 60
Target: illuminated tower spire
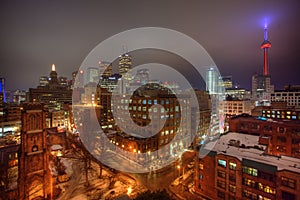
265, 45
53, 67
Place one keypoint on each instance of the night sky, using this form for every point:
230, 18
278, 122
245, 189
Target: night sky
35, 34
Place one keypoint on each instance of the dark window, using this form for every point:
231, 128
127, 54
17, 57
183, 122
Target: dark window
287, 195
221, 174
281, 139
221, 184
232, 177
291, 183
221, 194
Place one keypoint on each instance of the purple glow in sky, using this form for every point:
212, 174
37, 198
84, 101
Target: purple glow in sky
35, 34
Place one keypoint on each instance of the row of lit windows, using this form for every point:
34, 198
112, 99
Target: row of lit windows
144, 109
281, 116
144, 116
148, 101
259, 186
167, 132
12, 155
223, 163
249, 170
251, 195
165, 141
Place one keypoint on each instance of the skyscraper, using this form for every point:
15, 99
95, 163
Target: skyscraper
105, 69
44, 80
212, 81
226, 82
2, 91
261, 84
125, 64
92, 75
53, 95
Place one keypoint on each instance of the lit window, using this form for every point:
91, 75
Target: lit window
232, 165
222, 163
232, 188
250, 171
201, 166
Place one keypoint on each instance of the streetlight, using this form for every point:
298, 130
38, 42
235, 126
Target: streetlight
178, 167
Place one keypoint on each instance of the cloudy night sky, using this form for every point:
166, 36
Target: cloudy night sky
35, 34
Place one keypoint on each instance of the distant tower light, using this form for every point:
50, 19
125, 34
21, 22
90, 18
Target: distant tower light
53, 67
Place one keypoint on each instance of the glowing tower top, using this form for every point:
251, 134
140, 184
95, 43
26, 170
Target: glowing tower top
53, 67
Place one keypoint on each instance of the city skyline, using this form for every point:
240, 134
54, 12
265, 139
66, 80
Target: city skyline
35, 35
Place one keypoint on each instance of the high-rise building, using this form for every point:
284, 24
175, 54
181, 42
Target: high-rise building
142, 76
261, 84
92, 75
53, 95
262, 89
2, 91
53, 80
74, 74
63, 81
125, 64
44, 80
226, 82
238, 93
105, 69
212, 80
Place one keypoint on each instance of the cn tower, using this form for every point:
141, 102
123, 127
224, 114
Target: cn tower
265, 46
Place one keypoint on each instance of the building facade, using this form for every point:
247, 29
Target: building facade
54, 95
236, 107
237, 168
34, 174
282, 137
2, 91
289, 95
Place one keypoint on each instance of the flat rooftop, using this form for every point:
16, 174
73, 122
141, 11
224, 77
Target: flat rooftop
246, 146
